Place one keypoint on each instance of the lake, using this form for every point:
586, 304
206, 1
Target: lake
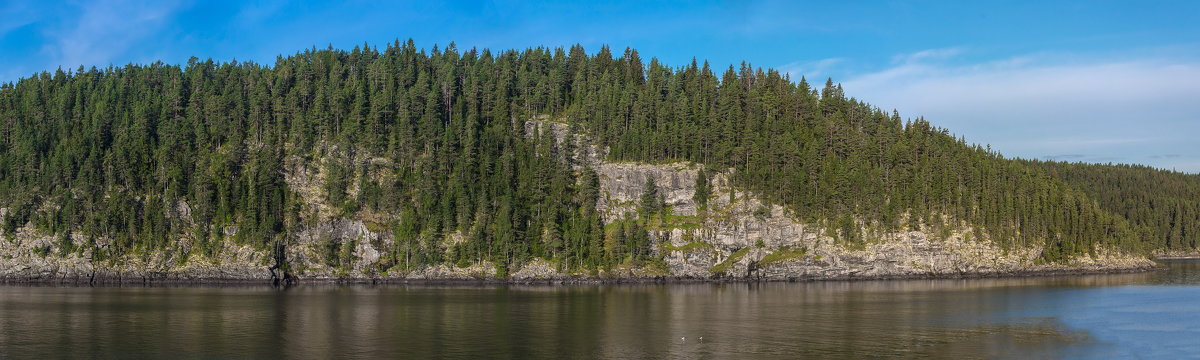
1146, 315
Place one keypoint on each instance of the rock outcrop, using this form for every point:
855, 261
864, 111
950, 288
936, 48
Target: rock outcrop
739, 237
32, 257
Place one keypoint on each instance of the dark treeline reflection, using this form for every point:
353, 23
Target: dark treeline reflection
937, 318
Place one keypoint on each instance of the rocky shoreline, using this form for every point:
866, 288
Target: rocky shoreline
160, 279
1176, 255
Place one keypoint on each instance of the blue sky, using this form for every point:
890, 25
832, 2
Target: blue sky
1097, 81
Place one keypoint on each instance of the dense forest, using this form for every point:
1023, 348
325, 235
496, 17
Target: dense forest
1162, 205
432, 143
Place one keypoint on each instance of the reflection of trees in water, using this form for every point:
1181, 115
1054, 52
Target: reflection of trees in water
965, 318
1183, 272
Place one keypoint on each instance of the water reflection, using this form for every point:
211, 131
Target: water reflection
1183, 272
1008, 318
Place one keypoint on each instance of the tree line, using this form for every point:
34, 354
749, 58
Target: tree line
1161, 205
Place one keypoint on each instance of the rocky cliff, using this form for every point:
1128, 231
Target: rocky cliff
736, 236
740, 237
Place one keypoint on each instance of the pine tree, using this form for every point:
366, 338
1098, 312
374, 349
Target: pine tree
650, 203
703, 189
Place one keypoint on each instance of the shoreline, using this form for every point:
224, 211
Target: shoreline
167, 281
1181, 257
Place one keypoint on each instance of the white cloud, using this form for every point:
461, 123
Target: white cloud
106, 30
810, 69
1050, 143
931, 54
1038, 105
253, 13
16, 14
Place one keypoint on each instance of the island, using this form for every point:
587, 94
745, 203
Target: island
545, 165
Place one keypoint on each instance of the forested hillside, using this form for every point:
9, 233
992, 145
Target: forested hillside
431, 144
1162, 205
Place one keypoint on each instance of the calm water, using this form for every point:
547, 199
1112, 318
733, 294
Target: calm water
1149, 315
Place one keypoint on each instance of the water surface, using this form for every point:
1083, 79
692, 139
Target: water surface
1147, 315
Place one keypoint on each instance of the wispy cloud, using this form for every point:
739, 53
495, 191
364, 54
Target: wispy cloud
1082, 158
1064, 157
811, 69
1037, 104
1028, 77
252, 13
106, 30
16, 14
925, 55
1079, 142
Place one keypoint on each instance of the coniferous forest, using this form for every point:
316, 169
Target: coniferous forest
1162, 205
432, 142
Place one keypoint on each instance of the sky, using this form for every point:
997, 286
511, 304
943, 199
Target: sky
1094, 81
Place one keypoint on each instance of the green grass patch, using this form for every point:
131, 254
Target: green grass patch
723, 267
782, 255
656, 267
680, 222
375, 227
614, 226
719, 213
683, 219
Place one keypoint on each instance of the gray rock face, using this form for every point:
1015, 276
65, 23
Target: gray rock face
538, 270
30, 256
622, 185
